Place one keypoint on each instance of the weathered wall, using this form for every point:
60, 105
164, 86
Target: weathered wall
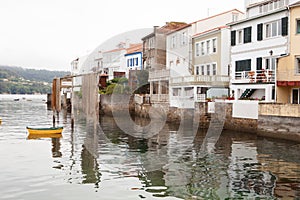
279, 121
117, 103
239, 124
286, 110
279, 127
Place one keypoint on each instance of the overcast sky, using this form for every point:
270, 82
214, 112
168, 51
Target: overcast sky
49, 34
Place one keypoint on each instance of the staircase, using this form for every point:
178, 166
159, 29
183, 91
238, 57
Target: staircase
247, 93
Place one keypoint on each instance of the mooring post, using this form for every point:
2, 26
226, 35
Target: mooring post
53, 119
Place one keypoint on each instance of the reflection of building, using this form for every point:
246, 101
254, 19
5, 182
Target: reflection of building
288, 71
256, 44
89, 167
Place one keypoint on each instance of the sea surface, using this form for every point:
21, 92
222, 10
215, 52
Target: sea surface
96, 159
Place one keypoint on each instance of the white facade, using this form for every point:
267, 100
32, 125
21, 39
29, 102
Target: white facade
113, 61
256, 43
186, 82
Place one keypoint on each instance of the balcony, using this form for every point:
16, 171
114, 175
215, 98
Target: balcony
201, 79
258, 76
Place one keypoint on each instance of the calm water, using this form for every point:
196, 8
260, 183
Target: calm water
103, 162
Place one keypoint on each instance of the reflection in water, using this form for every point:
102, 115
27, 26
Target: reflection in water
170, 163
90, 168
56, 148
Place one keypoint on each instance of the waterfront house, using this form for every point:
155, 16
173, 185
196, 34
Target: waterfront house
134, 63
257, 42
154, 60
114, 61
198, 59
288, 71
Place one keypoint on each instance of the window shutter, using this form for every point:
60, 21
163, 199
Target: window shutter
233, 33
259, 63
284, 26
259, 32
247, 34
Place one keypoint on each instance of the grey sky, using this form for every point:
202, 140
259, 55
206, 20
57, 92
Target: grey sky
49, 34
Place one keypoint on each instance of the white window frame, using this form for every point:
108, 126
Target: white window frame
214, 69
202, 48
183, 38
208, 70
202, 70
272, 29
173, 41
240, 36
208, 49
197, 49
214, 45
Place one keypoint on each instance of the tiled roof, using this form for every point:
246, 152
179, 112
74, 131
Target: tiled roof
135, 48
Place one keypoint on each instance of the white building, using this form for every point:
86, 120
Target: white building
256, 43
198, 59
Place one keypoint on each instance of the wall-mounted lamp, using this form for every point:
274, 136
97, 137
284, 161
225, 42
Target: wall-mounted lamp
271, 52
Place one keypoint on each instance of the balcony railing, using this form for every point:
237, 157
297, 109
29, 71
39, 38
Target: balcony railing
200, 79
258, 76
159, 98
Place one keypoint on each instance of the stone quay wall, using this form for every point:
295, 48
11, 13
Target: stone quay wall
274, 120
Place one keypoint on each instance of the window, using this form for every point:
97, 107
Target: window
173, 41
296, 96
298, 26
232, 38
136, 61
183, 38
270, 63
284, 26
197, 70
243, 65
189, 91
202, 48
202, 70
235, 17
208, 70
259, 32
259, 63
298, 65
214, 45
240, 37
268, 30
176, 92
247, 34
273, 29
275, 4
208, 47
197, 49
214, 69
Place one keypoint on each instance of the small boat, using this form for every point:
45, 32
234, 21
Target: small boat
45, 130
44, 135
16, 99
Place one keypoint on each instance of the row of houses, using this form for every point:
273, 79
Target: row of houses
235, 55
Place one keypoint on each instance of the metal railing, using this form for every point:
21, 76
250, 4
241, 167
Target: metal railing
199, 78
258, 76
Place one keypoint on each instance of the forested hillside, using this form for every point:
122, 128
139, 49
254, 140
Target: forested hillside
17, 80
